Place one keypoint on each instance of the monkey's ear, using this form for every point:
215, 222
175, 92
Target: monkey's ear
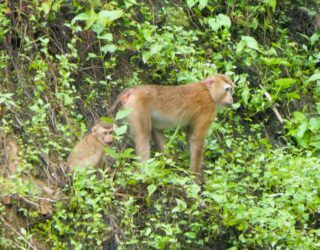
209, 81
94, 130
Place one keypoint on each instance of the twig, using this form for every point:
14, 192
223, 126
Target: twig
19, 234
273, 106
28, 201
114, 224
44, 199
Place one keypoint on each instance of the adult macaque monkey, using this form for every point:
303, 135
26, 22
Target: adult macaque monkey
89, 152
192, 106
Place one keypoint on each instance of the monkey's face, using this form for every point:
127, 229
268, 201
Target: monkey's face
104, 135
227, 97
220, 88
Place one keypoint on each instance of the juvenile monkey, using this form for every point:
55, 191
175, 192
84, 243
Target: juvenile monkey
89, 152
192, 106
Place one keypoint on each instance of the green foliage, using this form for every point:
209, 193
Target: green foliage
271, 201
63, 63
305, 131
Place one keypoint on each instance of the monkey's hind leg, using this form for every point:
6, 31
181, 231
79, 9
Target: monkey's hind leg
140, 129
159, 140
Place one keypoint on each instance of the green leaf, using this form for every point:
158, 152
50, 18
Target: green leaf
181, 206
224, 20
191, 235
191, 3
218, 198
98, 28
109, 48
106, 17
91, 55
147, 35
151, 188
148, 232
90, 17
245, 94
220, 21
203, 4
46, 6
315, 38
103, 18
5, 97
111, 14
240, 47
236, 105
299, 117
146, 56
293, 95
285, 82
23, 231
121, 130
275, 61
314, 77
155, 48
302, 130
213, 24
80, 17
129, 153
272, 4
110, 151
314, 124
193, 190
130, 3
107, 36
251, 42
106, 119
315, 144
122, 113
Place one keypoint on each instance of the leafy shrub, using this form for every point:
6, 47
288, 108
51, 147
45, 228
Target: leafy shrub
62, 64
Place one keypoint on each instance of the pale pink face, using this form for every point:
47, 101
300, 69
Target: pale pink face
220, 88
227, 99
103, 134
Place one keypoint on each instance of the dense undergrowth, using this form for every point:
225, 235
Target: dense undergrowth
63, 63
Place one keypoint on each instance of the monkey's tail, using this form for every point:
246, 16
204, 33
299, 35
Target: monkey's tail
114, 106
116, 102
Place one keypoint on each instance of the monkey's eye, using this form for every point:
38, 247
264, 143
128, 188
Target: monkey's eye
227, 89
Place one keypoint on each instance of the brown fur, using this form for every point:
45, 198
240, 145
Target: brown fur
90, 150
193, 106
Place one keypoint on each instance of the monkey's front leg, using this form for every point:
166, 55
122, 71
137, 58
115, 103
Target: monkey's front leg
196, 140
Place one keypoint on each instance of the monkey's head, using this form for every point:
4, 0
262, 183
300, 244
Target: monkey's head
220, 88
103, 131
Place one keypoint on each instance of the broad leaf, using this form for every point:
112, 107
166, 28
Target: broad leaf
191, 3
314, 124
220, 21
203, 4
314, 77
251, 42
108, 16
285, 82
275, 61
122, 113
107, 36
151, 189
109, 48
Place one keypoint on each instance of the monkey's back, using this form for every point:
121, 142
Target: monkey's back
170, 106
